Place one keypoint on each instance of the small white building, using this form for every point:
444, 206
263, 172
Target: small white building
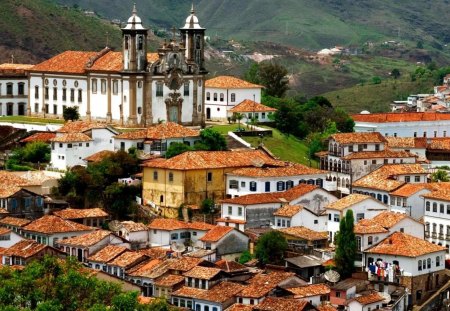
408, 199
78, 140
156, 139
250, 109
366, 302
225, 92
14, 89
315, 294
134, 232
228, 242
8, 237
297, 215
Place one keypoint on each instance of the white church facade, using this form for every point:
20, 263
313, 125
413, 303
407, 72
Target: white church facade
131, 87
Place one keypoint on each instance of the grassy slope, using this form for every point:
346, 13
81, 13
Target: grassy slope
29, 120
287, 148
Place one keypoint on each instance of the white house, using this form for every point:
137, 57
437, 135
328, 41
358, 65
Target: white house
408, 199
315, 294
134, 232
366, 302
156, 139
77, 140
404, 124
50, 229
225, 92
363, 206
228, 242
297, 215
130, 86
166, 232
250, 109
272, 179
14, 89
415, 145
408, 261
99, 260
8, 237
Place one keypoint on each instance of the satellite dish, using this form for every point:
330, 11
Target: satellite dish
386, 297
178, 248
332, 276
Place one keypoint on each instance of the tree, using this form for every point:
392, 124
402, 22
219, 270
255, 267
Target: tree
245, 257
211, 140
24, 158
176, 149
440, 176
207, 206
376, 80
346, 246
395, 73
252, 74
71, 114
274, 78
270, 247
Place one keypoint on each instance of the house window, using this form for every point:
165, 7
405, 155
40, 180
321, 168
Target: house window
280, 186
55, 109
407, 179
9, 89
419, 265
369, 240
155, 175
233, 97
253, 186
186, 89
221, 97
55, 93
448, 209
209, 177
359, 216
240, 211
416, 178
427, 206
64, 94
80, 95
441, 208
234, 184
360, 148
435, 133
429, 263
208, 96
115, 87
267, 186
350, 148
174, 236
374, 161
230, 210
46, 92
415, 134
103, 86
289, 184
170, 177
72, 95
159, 89
215, 97
94, 86
377, 147
424, 134
358, 242
336, 217
434, 207
36, 92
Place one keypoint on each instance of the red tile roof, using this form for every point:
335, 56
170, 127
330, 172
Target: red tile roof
309, 290
358, 138
401, 244
78, 213
80, 126
169, 224
409, 189
251, 106
216, 234
99, 156
169, 280
400, 117
160, 132
50, 224
348, 201
201, 160
4, 230
228, 82
184, 263
261, 284
220, 293
204, 273
230, 266
304, 233
288, 211
71, 137
14, 69
67, 62
407, 142
24, 249
44, 137
127, 259
368, 226
282, 304
370, 298
257, 198
386, 153
87, 239
108, 253
132, 226
290, 169
151, 268
13, 221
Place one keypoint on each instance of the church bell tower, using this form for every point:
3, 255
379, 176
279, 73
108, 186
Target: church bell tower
134, 37
193, 36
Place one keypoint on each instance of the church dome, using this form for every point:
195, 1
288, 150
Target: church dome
134, 22
192, 21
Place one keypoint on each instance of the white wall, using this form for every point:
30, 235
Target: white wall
406, 129
15, 98
9, 239
219, 108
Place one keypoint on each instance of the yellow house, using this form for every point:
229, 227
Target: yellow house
193, 176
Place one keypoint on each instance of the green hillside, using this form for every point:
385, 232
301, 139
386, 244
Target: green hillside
304, 23
33, 30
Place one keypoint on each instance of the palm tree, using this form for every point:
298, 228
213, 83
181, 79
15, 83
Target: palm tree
239, 116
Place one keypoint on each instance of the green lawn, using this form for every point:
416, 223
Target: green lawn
30, 120
224, 129
287, 148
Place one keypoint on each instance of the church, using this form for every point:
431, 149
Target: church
132, 87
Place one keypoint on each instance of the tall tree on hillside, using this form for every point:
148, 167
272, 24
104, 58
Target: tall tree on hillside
346, 246
271, 247
274, 78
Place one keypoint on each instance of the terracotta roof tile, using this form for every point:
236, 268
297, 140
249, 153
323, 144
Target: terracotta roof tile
297, 192
67, 62
78, 213
71, 137
184, 263
216, 234
169, 280
174, 224
240, 307
24, 249
284, 304
443, 195
80, 126
257, 198
401, 244
290, 169
232, 221
309, 290
151, 268
160, 132
326, 307
50, 224
406, 142
305, 233
228, 82
400, 117
4, 230
382, 178
13, 221
370, 298
230, 266
358, 138
3, 211
368, 226
288, 210
132, 226
386, 153
348, 201
250, 106
154, 252
11, 184
409, 189
388, 219
107, 253
44, 137
442, 143
221, 292
191, 160
204, 273
127, 259
87, 239
261, 284
8, 69
99, 156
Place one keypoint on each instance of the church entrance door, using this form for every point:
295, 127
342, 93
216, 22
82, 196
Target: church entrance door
173, 114
208, 113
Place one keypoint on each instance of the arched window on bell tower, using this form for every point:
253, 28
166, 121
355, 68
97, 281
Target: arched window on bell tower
134, 44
